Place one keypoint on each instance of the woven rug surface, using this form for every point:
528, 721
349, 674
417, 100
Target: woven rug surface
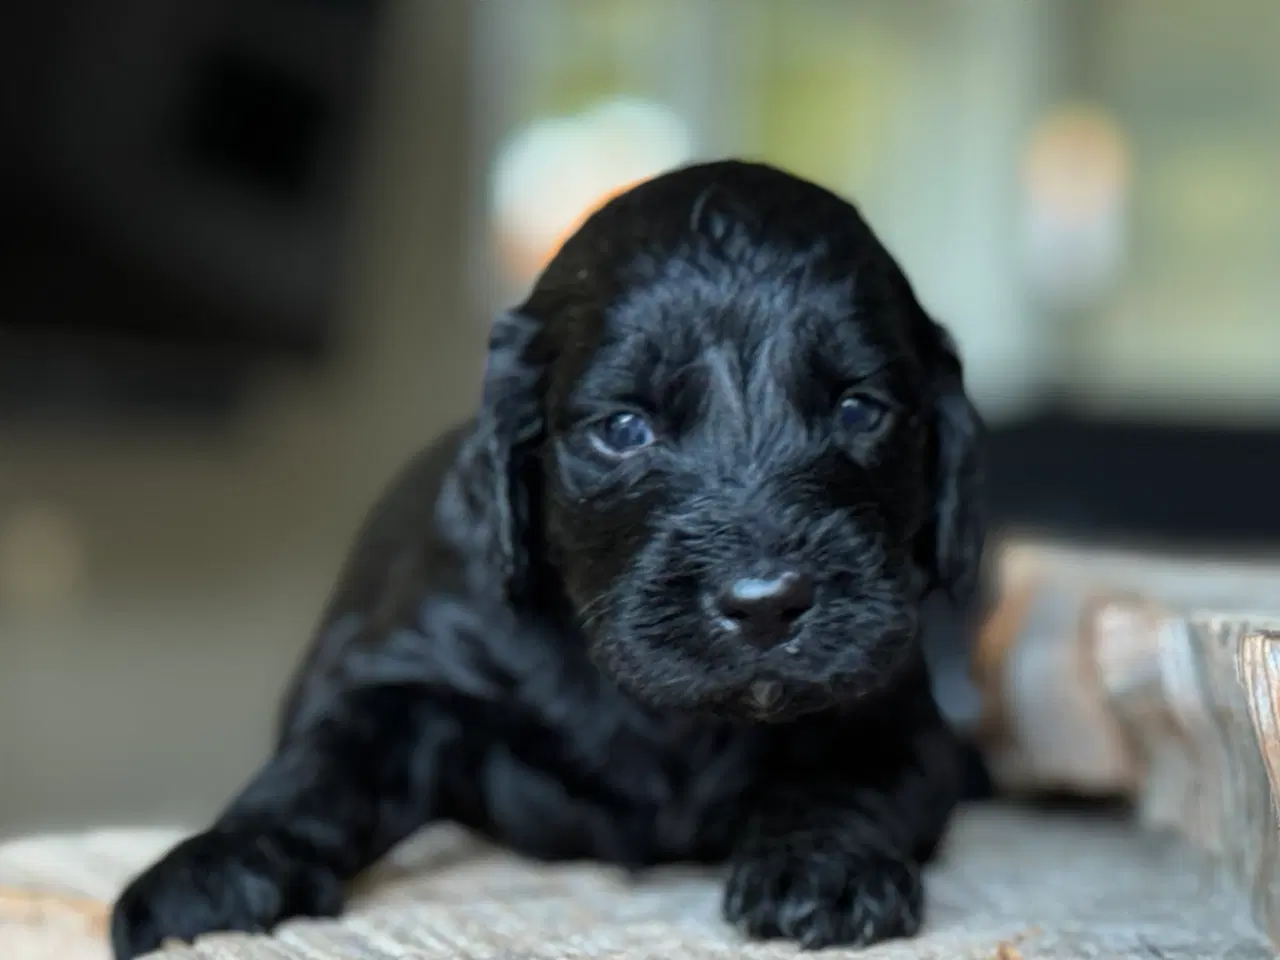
1012, 885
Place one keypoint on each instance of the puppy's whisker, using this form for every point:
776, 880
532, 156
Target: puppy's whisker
591, 614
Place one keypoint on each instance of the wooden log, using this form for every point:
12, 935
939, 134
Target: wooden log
1126, 679
1203, 710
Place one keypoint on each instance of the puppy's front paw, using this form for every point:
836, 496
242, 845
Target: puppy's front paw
821, 898
219, 881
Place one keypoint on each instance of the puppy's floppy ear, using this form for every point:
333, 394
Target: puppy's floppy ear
956, 536
487, 499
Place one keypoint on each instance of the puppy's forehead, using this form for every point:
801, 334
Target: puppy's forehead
738, 317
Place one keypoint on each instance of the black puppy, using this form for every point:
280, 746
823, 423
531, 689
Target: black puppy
659, 601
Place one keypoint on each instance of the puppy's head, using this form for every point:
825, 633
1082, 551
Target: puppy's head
725, 424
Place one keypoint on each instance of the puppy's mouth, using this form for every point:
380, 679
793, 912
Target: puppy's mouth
771, 699
714, 673
763, 697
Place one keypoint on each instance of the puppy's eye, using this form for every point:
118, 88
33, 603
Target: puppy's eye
622, 433
859, 413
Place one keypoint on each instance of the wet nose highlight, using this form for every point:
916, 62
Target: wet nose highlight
765, 608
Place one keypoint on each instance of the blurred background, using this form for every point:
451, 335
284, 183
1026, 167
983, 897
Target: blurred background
249, 249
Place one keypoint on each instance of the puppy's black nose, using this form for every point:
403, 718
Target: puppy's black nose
764, 608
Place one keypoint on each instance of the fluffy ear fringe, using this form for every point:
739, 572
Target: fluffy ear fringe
485, 503
959, 528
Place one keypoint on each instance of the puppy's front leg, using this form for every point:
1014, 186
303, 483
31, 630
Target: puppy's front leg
335, 797
833, 856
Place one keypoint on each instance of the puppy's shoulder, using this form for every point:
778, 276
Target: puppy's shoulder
399, 544
397, 561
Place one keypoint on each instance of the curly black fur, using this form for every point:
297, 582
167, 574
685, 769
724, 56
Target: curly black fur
531, 636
